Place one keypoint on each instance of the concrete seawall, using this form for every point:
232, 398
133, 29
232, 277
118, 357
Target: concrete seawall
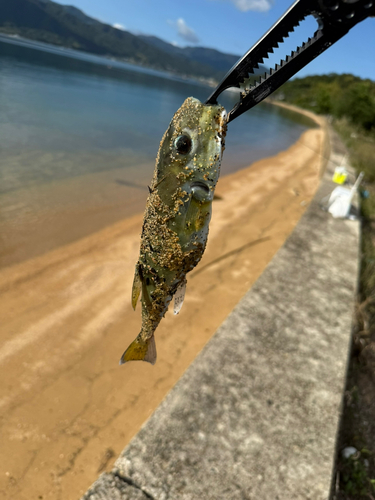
256, 414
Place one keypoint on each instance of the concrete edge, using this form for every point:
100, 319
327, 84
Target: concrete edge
256, 414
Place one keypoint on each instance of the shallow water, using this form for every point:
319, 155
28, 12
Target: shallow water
79, 136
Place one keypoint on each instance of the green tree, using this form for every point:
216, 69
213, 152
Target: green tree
358, 105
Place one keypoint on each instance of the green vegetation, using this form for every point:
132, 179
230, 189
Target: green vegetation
354, 475
361, 146
349, 103
341, 96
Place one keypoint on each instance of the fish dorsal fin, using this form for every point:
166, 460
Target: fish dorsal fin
137, 287
179, 297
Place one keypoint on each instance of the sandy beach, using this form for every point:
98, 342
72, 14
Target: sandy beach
67, 408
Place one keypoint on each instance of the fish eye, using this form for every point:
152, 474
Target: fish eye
183, 144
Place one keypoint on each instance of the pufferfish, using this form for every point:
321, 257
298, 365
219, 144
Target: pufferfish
177, 216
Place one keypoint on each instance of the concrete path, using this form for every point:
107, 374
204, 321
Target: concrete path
256, 414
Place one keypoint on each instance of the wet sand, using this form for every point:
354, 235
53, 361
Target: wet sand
66, 408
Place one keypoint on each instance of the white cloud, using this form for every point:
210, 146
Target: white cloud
119, 26
183, 30
257, 5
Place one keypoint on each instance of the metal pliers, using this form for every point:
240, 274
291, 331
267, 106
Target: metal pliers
335, 18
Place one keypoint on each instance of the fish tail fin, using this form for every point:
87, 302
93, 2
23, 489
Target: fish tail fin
140, 350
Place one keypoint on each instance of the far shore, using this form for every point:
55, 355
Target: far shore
67, 408
319, 120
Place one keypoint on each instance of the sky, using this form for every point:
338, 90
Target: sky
233, 26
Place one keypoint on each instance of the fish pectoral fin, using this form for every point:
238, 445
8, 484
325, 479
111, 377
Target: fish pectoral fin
179, 297
140, 350
137, 287
196, 215
146, 296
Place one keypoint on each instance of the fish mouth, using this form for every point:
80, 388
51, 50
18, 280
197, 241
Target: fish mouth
201, 191
222, 122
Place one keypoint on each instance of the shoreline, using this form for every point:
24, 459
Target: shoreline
283, 355
42, 217
70, 407
103, 59
318, 119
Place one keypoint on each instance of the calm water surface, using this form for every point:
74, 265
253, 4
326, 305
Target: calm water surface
80, 131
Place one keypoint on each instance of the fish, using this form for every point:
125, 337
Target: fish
177, 215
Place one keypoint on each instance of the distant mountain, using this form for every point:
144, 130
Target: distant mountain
218, 60
70, 9
50, 22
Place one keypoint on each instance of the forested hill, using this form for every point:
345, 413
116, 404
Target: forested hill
337, 95
220, 61
50, 22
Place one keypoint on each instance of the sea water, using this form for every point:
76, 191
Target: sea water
79, 136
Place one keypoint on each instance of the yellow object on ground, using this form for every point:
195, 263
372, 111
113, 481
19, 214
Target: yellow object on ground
340, 175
